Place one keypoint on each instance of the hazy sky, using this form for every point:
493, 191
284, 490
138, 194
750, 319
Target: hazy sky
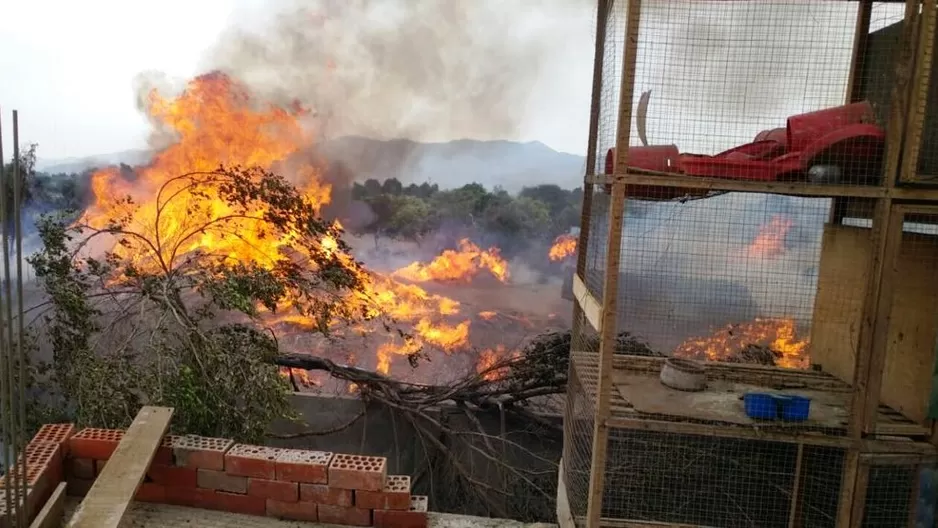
68, 67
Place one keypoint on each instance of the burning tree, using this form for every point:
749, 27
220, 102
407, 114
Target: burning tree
166, 289
139, 322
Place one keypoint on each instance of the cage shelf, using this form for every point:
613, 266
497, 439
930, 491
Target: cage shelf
637, 397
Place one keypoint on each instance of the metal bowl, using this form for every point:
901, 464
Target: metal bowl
683, 374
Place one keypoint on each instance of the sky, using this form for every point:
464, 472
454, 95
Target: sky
69, 68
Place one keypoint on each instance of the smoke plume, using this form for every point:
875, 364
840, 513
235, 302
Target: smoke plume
418, 69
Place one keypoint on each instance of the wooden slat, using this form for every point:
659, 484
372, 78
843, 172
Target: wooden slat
50, 516
641, 177
564, 516
587, 303
115, 487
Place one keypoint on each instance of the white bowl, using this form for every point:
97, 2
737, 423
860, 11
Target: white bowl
683, 374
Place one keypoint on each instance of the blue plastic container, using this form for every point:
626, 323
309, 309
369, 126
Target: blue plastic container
794, 408
761, 405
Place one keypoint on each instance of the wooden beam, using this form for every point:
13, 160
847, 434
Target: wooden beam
611, 281
588, 304
115, 487
924, 35
641, 177
51, 514
564, 515
794, 506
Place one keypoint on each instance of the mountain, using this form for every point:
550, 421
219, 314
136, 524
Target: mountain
509, 164
70, 165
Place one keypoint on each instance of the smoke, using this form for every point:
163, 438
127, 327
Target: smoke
417, 69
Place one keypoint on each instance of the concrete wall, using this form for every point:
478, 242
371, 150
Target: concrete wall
387, 432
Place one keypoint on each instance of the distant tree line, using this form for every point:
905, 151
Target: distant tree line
536, 214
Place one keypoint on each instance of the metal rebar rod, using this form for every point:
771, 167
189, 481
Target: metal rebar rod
5, 429
20, 358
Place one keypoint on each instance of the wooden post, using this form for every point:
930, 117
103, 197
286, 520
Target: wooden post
918, 93
795, 506
611, 282
861, 35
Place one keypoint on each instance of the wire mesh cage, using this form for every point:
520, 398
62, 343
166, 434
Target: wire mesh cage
752, 155
899, 491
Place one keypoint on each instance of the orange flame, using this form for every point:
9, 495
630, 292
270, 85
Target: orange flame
487, 315
564, 246
770, 242
216, 122
457, 265
777, 335
490, 358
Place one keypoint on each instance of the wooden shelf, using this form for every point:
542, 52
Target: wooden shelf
830, 430
928, 193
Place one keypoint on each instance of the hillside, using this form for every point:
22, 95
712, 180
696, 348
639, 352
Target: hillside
511, 165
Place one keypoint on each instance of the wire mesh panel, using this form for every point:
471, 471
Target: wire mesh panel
594, 272
908, 373
578, 445
730, 278
758, 91
900, 495
725, 482
613, 49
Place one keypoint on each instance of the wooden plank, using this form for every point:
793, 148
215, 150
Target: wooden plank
587, 303
641, 177
115, 487
721, 402
564, 515
794, 506
51, 514
918, 96
611, 281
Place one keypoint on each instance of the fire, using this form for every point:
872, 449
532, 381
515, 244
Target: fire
770, 242
490, 358
301, 376
487, 315
564, 246
217, 123
457, 265
732, 341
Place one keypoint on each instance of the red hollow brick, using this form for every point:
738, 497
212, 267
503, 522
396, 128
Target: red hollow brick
322, 494
30, 503
43, 465
57, 434
82, 468
297, 465
394, 496
179, 477
294, 511
97, 444
244, 504
252, 461
274, 489
415, 517
358, 472
200, 452
348, 516
219, 480
150, 492
77, 487
179, 496
164, 453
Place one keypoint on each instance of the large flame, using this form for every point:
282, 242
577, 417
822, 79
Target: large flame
564, 246
457, 265
770, 242
776, 335
217, 123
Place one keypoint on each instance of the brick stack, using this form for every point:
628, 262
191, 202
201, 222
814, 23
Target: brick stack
44, 455
217, 474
